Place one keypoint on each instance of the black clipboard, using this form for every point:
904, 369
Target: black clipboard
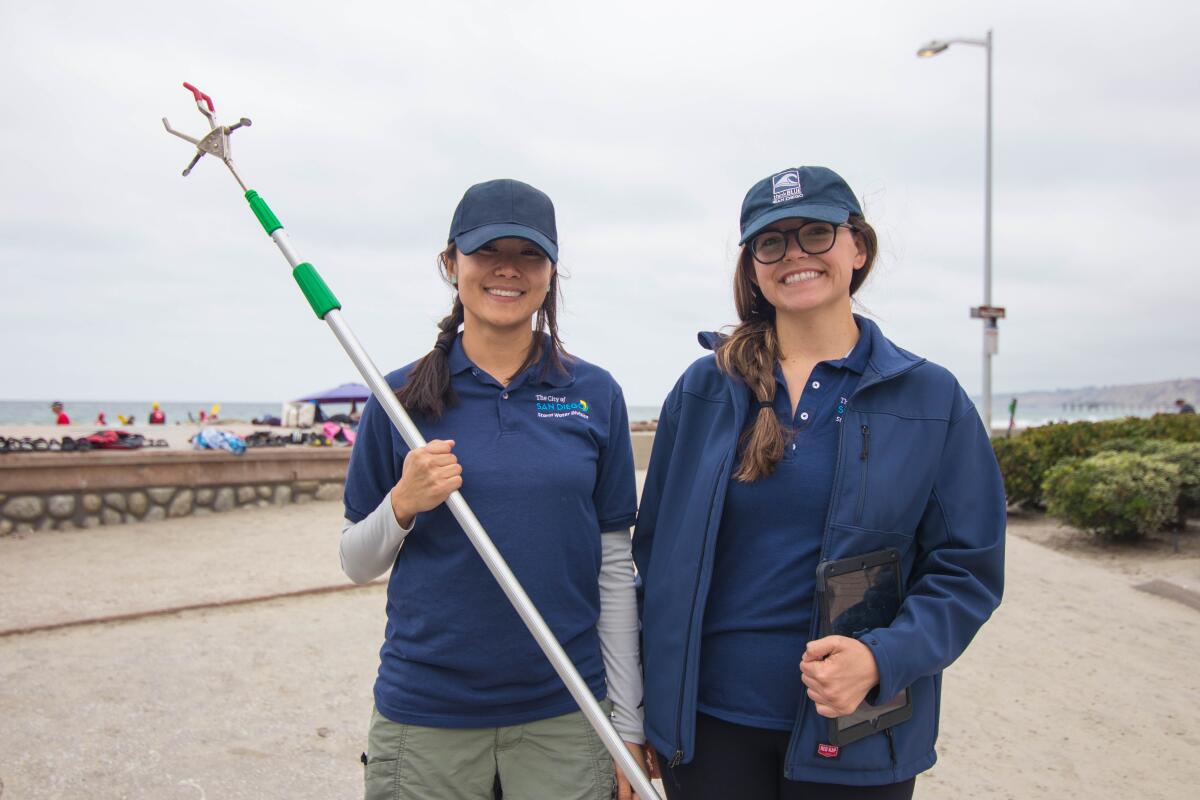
858, 594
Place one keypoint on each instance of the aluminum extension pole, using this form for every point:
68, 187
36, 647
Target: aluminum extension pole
327, 308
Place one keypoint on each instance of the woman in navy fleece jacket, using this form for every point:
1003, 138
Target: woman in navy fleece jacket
807, 436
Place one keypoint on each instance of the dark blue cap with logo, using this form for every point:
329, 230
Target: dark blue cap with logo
502, 208
807, 192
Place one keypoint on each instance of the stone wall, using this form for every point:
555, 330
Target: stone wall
26, 513
63, 491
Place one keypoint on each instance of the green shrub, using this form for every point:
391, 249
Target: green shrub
1018, 459
1184, 455
1114, 495
1026, 458
1176, 427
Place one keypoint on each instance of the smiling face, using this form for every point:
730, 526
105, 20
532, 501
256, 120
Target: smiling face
502, 284
800, 283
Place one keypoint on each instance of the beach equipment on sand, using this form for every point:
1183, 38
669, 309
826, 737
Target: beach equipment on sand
298, 415
328, 309
217, 439
117, 440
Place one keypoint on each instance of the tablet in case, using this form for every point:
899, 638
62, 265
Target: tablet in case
856, 595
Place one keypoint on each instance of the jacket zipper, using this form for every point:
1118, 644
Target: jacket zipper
677, 757
891, 745
816, 615
863, 457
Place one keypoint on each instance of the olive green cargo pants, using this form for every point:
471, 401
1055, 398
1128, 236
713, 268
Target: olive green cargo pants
560, 758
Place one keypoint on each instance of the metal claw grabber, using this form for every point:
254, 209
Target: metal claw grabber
217, 140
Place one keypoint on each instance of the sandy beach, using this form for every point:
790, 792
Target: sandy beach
1081, 685
177, 436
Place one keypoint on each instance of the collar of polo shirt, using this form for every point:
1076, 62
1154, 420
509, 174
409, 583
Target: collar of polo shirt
856, 360
458, 361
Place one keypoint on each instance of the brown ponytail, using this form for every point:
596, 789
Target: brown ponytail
751, 350
428, 391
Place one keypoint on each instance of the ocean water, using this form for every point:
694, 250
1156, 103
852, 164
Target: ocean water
37, 412
644, 413
1032, 416
81, 412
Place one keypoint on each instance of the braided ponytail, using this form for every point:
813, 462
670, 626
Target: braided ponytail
428, 391
750, 352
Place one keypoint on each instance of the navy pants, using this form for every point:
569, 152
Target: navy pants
738, 761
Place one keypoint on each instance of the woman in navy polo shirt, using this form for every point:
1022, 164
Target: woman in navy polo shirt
539, 443
806, 437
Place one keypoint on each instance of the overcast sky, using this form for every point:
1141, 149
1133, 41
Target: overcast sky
645, 122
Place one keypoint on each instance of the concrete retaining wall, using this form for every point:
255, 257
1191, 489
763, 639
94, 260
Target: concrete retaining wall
59, 491
62, 491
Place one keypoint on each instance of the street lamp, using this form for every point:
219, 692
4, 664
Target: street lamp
987, 312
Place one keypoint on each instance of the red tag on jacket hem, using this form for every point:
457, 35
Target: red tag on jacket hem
828, 750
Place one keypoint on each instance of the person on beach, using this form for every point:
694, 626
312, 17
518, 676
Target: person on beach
539, 443
60, 416
807, 436
1184, 407
157, 416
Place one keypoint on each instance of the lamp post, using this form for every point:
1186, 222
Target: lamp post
987, 312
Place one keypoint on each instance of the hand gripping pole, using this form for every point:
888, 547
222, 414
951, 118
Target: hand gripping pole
327, 308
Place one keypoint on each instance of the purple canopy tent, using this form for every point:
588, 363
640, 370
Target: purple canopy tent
353, 393
346, 393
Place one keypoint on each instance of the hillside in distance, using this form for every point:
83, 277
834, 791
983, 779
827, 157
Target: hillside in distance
1161, 394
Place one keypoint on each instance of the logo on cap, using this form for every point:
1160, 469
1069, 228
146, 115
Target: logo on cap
786, 186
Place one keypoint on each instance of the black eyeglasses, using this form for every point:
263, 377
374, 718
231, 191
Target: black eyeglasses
814, 238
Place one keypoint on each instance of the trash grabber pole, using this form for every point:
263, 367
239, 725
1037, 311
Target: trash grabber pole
327, 308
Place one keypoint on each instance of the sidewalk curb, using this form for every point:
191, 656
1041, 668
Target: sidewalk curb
1171, 591
162, 612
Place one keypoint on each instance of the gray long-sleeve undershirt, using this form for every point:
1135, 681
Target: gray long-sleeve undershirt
369, 548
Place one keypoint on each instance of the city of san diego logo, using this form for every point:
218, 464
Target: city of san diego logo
786, 186
551, 407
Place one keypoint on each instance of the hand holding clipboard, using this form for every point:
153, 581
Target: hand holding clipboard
856, 595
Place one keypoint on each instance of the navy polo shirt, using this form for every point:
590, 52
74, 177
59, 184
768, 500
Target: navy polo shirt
758, 615
547, 466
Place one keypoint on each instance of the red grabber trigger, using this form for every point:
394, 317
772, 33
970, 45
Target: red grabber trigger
217, 139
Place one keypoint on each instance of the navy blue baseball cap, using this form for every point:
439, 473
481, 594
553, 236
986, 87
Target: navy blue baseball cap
502, 208
808, 192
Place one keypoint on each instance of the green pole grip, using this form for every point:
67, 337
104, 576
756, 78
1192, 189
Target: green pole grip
264, 213
319, 296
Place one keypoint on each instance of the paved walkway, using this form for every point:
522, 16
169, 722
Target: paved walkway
1081, 686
